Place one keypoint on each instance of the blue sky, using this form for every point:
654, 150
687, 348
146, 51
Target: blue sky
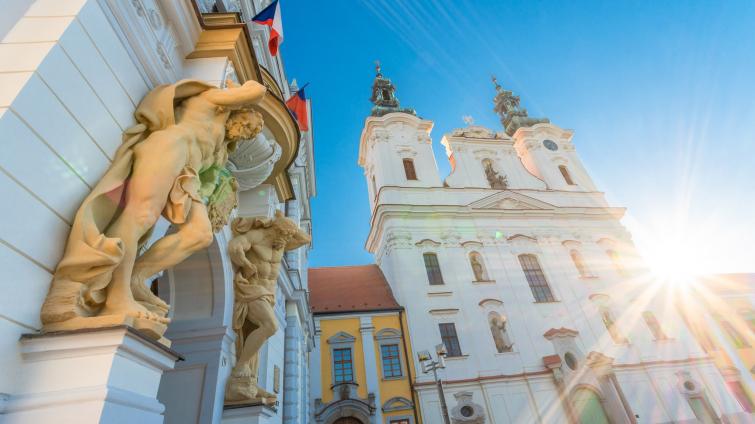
660, 94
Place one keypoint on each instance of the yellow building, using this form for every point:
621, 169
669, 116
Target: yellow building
720, 311
361, 368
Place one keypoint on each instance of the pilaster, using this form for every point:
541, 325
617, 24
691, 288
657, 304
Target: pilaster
292, 381
367, 331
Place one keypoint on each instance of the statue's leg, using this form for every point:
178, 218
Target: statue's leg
158, 160
193, 235
260, 313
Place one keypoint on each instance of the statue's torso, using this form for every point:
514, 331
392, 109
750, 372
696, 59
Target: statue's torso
202, 126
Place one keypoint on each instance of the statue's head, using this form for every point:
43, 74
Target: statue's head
289, 235
282, 231
242, 124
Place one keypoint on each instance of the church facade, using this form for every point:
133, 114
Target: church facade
519, 266
72, 74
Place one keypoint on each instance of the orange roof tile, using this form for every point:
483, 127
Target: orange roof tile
349, 289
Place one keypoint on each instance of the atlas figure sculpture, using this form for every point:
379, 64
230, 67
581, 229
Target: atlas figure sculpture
171, 163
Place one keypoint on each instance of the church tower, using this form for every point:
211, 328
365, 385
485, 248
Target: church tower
395, 149
545, 149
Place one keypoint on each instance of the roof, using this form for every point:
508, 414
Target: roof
349, 289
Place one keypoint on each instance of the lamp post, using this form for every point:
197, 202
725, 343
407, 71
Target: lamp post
430, 365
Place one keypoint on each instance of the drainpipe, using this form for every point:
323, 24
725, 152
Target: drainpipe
408, 366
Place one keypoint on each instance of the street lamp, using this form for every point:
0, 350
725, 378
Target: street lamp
428, 364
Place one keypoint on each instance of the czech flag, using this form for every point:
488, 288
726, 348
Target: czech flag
297, 105
271, 16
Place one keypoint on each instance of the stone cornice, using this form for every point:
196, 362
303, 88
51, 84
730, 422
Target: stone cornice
384, 212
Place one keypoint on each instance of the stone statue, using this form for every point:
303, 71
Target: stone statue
256, 250
477, 268
501, 337
495, 180
172, 162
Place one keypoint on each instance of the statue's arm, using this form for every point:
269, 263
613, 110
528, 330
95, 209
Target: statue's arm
237, 249
249, 93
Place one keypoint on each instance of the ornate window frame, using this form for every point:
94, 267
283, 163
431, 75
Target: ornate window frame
696, 391
389, 420
341, 340
390, 336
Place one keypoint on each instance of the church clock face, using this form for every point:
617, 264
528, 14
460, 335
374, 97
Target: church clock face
550, 145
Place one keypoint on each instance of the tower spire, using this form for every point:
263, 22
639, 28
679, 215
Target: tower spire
384, 96
512, 115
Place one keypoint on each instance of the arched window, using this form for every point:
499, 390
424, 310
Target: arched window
654, 325
617, 262
603, 304
495, 180
432, 266
589, 408
501, 337
411, 174
478, 267
579, 263
536, 279
610, 323
565, 174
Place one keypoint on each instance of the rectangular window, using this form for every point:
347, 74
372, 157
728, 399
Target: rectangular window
702, 410
342, 368
565, 174
432, 266
450, 339
739, 392
391, 361
536, 279
411, 174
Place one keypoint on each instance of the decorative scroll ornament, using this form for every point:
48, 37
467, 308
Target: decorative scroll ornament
170, 163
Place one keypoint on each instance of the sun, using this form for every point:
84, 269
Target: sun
675, 260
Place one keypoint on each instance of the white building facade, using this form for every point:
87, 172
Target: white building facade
519, 265
71, 75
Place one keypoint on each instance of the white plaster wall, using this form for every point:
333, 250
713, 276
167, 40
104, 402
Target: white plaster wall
67, 90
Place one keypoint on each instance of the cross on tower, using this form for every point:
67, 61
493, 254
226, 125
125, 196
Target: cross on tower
468, 120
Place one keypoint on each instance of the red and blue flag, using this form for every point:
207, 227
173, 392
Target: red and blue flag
271, 16
297, 105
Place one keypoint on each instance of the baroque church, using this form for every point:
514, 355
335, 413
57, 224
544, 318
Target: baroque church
519, 285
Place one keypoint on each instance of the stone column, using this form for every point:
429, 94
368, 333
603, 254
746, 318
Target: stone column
370, 363
292, 384
108, 375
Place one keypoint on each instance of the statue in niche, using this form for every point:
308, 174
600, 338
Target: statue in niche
495, 180
477, 267
171, 163
256, 250
501, 337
